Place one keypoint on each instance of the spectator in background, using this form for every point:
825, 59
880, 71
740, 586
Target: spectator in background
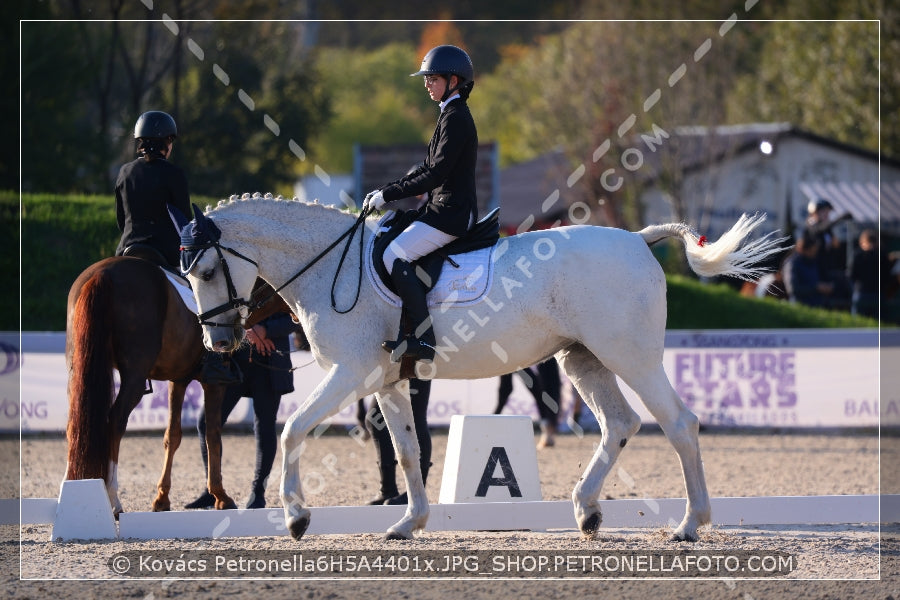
801, 274
266, 364
867, 271
832, 254
545, 386
386, 458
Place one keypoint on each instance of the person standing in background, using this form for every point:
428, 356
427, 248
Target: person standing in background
266, 364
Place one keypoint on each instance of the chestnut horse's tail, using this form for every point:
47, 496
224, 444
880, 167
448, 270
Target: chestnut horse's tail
90, 380
726, 256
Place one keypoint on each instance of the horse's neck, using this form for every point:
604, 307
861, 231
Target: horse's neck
289, 236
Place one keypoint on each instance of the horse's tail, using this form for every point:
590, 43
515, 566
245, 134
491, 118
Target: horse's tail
90, 380
726, 256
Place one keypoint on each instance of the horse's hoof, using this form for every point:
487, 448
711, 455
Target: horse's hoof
298, 527
226, 505
591, 525
684, 537
161, 507
396, 535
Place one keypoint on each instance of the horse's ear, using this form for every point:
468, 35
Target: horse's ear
203, 227
178, 217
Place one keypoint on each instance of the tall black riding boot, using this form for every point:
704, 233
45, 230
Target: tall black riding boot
219, 369
420, 343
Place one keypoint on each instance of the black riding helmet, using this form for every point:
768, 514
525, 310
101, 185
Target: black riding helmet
449, 60
154, 129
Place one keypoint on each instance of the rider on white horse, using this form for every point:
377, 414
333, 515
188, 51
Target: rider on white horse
448, 174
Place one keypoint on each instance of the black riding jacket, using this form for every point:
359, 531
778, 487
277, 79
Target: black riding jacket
143, 189
448, 173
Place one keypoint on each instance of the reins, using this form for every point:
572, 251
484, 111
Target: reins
279, 369
350, 232
237, 303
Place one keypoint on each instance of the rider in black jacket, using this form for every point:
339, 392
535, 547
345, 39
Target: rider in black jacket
145, 187
448, 174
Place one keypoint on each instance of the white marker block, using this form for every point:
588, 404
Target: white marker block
490, 458
83, 512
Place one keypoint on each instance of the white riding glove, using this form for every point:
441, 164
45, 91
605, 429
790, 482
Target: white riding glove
375, 200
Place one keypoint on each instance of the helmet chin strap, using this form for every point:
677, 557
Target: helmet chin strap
449, 91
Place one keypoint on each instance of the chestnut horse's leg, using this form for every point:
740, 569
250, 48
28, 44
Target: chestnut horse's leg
131, 390
213, 395
171, 441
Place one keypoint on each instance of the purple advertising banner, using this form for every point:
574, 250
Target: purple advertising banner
774, 378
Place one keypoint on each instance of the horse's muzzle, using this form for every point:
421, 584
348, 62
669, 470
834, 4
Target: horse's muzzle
224, 339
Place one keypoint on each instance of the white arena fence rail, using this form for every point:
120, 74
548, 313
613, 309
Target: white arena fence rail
490, 516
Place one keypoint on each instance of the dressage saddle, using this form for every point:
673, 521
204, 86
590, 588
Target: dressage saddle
484, 233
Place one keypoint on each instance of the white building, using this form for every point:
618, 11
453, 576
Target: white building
331, 190
721, 172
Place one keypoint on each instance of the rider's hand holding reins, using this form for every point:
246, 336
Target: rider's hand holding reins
374, 200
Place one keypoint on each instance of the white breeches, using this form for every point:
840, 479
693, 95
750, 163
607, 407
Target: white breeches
416, 241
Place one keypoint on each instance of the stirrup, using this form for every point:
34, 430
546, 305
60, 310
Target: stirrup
397, 348
409, 346
418, 349
391, 345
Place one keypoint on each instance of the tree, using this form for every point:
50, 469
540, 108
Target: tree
79, 107
374, 101
592, 89
821, 76
60, 146
253, 133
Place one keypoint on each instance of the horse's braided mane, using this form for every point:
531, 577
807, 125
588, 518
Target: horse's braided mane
234, 198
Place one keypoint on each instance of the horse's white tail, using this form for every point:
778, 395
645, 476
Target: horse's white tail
725, 256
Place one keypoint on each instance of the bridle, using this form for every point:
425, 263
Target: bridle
244, 307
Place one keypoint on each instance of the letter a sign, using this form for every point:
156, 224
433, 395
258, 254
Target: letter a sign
490, 458
508, 480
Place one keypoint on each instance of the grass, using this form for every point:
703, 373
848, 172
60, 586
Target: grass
63, 234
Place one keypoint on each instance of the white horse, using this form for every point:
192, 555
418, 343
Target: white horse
594, 297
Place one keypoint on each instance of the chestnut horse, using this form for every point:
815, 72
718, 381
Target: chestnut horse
123, 313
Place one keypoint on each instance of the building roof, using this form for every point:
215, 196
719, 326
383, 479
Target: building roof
693, 148
697, 147
860, 200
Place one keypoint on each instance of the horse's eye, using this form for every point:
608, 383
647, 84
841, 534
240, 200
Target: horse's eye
207, 275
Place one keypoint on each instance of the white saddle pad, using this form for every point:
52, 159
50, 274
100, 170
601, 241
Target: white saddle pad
183, 289
466, 285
